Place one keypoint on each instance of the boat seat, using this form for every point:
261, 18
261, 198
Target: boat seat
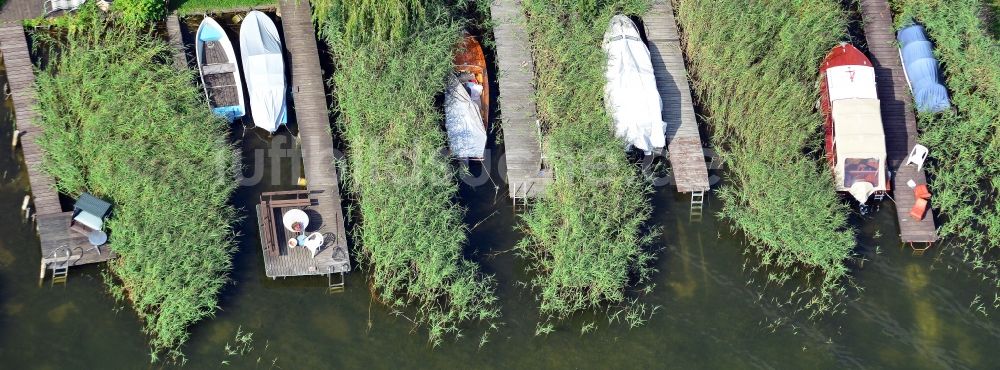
920, 191
919, 209
214, 69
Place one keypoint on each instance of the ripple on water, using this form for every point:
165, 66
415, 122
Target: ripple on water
7, 258
58, 315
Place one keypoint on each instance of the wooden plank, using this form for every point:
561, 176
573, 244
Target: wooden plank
177, 41
526, 172
898, 118
683, 139
21, 80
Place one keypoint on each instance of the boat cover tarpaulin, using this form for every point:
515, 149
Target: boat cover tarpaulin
921, 69
630, 94
858, 124
264, 69
463, 121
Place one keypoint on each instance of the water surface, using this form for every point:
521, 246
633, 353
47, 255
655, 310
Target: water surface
913, 311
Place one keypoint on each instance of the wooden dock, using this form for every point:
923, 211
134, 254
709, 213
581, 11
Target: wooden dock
282, 261
177, 41
13, 12
52, 221
527, 173
310, 108
687, 159
898, 118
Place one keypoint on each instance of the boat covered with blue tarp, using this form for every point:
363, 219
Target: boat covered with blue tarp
921, 68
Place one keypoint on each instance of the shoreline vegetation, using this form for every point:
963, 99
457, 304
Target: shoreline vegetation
411, 232
780, 193
187, 7
965, 153
586, 239
119, 121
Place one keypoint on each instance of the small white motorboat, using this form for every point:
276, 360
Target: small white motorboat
220, 75
630, 93
264, 67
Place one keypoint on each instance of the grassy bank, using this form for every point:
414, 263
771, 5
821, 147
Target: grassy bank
411, 231
965, 150
199, 6
585, 238
120, 122
754, 68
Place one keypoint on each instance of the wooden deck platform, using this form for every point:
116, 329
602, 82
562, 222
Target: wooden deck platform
284, 261
898, 118
687, 159
52, 223
57, 234
310, 108
527, 175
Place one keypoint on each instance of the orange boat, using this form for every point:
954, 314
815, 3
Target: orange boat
469, 58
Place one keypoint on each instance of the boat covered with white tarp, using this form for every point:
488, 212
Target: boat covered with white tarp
264, 69
630, 93
466, 134
855, 139
467, 99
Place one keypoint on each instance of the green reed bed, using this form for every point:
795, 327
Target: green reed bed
965, 143
411, 230
120, 122
199, 6
755, 67
585, 239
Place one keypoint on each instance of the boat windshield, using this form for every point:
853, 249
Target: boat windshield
860, 170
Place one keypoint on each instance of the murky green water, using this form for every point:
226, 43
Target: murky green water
913, 312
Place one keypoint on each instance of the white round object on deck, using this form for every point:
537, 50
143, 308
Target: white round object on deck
295, 216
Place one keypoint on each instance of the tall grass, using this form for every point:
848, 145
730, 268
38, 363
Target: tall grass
411, 233
585, 238
120, 122
370, 20
197, 6
965, 144
754, 66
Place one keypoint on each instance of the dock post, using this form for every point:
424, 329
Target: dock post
26, 207
41, 274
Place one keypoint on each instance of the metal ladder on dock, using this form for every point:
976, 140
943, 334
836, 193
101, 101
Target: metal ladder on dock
520, 193
58, 262
697, 204
334, 287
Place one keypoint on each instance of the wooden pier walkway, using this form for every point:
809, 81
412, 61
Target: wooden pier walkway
310, 109
177, 41
898, 118
527, 175
13, 12
52, 222
687, 159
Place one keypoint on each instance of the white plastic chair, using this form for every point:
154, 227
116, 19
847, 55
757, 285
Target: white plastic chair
917, 156
313, 242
